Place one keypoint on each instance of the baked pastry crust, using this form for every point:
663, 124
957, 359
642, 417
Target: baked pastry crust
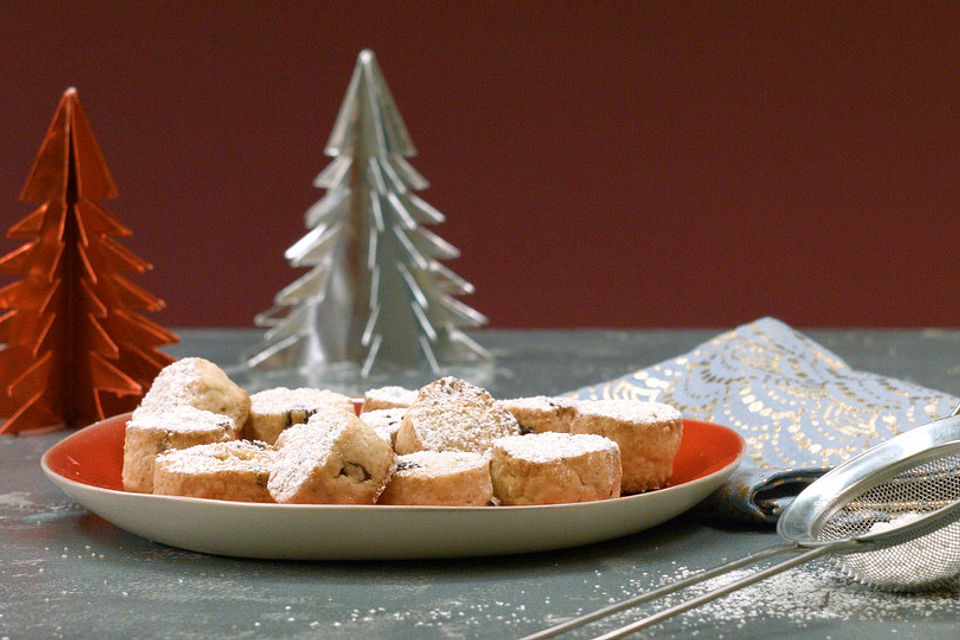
554, 468
236, 470
199, 383
537, 414
148, 434
451, 414
333, 458
448, 478
648, 434
389, 397
276, 409
386, 422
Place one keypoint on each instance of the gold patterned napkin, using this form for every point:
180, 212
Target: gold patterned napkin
799, 407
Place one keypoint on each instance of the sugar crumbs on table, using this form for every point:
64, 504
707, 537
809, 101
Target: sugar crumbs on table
805, 594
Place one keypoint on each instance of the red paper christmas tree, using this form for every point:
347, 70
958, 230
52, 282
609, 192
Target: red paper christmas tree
75, 350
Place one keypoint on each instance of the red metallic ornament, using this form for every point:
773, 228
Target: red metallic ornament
75, 350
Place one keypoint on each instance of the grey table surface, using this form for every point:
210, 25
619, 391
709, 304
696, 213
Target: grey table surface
65, 573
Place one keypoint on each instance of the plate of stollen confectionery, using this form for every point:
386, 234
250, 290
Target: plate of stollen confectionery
88, 466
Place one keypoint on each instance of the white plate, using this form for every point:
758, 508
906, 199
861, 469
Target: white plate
86, 466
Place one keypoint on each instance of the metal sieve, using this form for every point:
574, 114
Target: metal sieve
892, 512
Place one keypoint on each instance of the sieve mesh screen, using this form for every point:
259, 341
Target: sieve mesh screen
912, 561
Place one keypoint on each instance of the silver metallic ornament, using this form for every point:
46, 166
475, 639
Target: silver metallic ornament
376, 295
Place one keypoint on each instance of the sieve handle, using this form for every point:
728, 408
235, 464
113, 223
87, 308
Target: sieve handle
808, 554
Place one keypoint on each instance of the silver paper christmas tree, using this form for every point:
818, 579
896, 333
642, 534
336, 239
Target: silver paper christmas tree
376, 295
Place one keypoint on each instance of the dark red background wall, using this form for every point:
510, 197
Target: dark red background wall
600, 163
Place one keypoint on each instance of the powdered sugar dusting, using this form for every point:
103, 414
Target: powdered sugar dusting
537, 403
433, 463
389, 396
800, 596
630, 410
219, 456
806, 598
282, 400
179, 383
908, 517
452, 414
184, 419
303, 447
550, 445
926, 559
386, 422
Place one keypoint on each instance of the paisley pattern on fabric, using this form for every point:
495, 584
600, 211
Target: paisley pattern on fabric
799, 407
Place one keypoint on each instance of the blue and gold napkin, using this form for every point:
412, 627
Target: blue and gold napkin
799, 407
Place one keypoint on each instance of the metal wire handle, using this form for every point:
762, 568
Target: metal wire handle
806, 553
